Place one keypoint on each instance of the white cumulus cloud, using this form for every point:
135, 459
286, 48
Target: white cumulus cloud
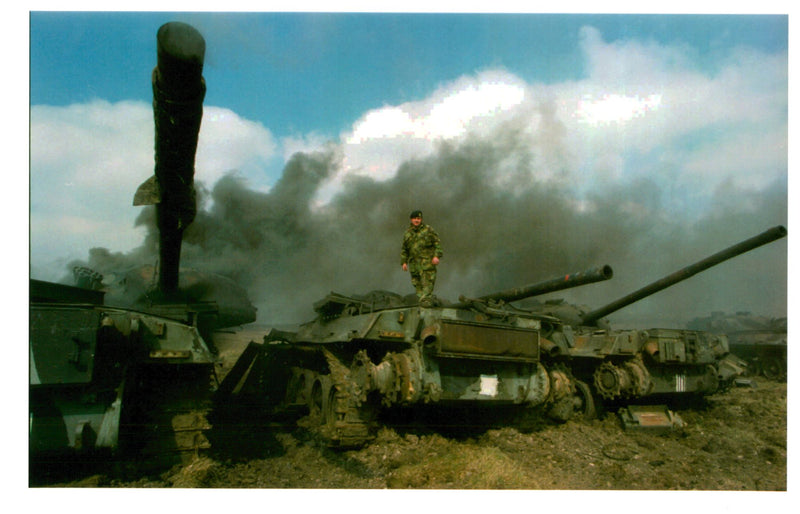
643, 110
86, 161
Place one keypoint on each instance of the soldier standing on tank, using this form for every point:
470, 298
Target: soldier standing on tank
420, 256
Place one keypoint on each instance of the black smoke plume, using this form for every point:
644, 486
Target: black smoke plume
500, 226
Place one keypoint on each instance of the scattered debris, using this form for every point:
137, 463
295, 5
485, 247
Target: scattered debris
656, 418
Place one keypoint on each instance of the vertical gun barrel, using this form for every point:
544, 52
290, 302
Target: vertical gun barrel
754, 242
178, 93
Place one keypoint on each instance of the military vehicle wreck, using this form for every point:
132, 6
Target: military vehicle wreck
365, 355
760, 340
137, 376
104, 379
208, 300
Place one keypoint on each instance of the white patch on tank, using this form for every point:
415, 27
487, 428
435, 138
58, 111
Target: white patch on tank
680, 383
488, 385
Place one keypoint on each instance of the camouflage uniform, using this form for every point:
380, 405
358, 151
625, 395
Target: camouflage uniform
420, 245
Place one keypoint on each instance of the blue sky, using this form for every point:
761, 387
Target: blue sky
303, 72
666, 133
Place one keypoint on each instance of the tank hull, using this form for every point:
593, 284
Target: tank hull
92, 370
341, 374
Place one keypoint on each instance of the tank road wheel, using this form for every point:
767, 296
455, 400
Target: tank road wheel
333, 419
578, 404
317, 403
583, 401
772, 368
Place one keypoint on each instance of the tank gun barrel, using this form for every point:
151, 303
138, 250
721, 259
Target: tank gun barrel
178, 93
548, 286
754, 242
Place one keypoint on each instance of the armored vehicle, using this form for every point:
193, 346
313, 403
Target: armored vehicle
105, 378
365, 355
208, 300
631, 364
760, 340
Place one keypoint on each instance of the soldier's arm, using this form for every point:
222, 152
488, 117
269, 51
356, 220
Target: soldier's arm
437, 246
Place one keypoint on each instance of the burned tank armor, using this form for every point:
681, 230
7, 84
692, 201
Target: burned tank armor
760, 340
364, 355
135, 377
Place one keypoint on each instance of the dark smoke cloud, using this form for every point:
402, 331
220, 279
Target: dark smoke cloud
501, 227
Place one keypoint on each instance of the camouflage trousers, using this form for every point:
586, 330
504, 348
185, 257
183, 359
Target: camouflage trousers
423, 282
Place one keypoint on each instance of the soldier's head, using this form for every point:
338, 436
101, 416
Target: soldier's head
416, 218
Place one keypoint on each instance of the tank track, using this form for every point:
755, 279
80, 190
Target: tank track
771, 367
337, 416
168, 421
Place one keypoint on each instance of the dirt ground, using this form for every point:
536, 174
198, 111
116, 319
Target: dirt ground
733, 441
736, 442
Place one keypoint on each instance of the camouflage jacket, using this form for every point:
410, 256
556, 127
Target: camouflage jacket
420, 245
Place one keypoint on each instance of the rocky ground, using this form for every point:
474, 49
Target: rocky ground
733, 441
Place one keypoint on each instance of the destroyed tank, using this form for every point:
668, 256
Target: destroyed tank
208, 300
107, 378
760, 340
364, 356
106, 381
634, 364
